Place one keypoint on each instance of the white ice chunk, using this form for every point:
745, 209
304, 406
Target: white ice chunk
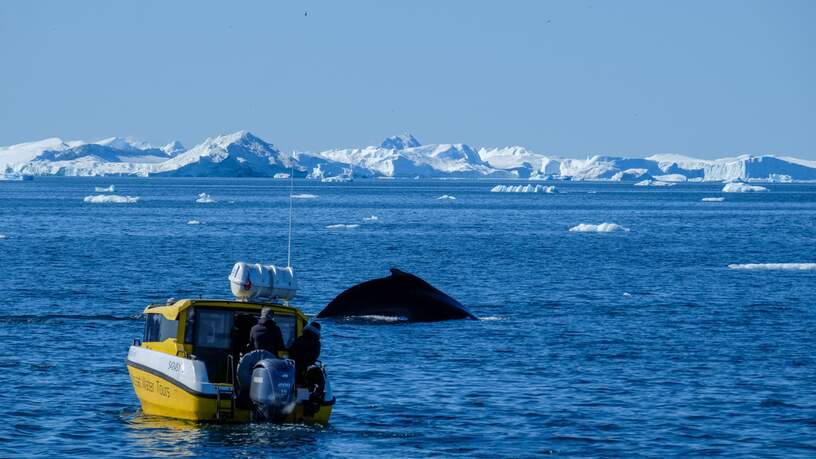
713, 199
281, 175
654, 183
110, 198
529, 188
193, 222
2, 236
102, 189
372, 218
739, 187
204, 198
602, 228
342, 226
775, 266
304, 196
447, 197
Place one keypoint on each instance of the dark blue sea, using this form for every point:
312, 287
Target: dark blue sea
638, 343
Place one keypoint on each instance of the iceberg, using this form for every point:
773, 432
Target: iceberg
446, 197
304, 196
713, 199
739, 187
193, 222
775, 266
529, 188
602, 228
241, 154
372, 218
109, 189
204, 198
111, 199
281, 175
342, 226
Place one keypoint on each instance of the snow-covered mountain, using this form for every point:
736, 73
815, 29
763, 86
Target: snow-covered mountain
242, 154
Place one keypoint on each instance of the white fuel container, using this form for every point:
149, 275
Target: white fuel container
257, 281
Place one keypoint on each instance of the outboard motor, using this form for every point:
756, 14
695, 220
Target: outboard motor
272, 390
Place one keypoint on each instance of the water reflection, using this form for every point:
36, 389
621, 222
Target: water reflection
165, 437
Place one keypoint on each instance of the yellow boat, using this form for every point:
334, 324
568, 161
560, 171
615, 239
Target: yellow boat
190, 365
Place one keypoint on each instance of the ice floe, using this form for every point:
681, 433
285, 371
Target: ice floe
655, 183
713, 199
529, 188
281, 175
110, 198
372, 218
304, 196
204, 198
105, 189
602, 228
739, 187
447, 197
342, 226
193, 222
775, 266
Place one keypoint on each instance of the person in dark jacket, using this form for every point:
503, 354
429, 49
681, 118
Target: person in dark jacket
306, 349
266, 334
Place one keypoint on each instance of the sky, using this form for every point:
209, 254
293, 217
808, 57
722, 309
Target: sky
569, 78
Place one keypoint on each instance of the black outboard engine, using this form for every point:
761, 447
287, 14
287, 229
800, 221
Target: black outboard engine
272, 390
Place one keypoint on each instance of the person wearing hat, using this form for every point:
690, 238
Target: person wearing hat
266, 334
306, 349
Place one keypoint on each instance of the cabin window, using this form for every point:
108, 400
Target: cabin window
212, 328
158, 329
189, 326
288, 327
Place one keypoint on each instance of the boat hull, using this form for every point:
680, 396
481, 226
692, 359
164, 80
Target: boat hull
171, 386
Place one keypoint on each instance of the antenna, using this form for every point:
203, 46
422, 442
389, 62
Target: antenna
291, 190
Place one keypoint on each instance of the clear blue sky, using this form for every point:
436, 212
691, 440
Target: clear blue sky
705, 78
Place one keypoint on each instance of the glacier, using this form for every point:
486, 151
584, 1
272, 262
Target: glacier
242, 154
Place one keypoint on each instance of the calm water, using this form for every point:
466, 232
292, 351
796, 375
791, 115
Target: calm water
624, 344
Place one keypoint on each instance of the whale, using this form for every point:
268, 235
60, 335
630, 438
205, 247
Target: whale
401, 294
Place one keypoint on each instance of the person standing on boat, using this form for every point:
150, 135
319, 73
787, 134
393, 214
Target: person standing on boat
306, 349
266, 334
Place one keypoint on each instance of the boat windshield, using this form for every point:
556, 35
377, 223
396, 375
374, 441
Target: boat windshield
288, 327
213, 328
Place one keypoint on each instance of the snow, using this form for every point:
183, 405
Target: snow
108, 189
173, 148
601, 228
204, 198
304, 196
713, 199
529, 188
775, 266
343, 226
372, 218
193, 222
739, 187
111, 199
400, 142
446, 197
